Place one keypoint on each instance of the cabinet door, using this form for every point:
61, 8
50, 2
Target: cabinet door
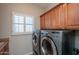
42, 22
57, 21
55, 18
73, 15
47, 20
62, 16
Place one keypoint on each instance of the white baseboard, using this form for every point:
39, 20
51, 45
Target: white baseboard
30, 53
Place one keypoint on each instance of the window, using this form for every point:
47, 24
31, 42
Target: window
22, 24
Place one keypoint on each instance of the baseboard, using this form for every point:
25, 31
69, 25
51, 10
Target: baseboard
30, 53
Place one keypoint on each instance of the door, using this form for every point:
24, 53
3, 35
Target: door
53, 19
73, 16
35, 39
47, 20
48, 47
62, 16
55, 22
42, 22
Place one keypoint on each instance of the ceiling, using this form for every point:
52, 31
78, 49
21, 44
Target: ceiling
45, 5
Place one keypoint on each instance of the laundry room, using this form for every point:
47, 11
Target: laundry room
39, 29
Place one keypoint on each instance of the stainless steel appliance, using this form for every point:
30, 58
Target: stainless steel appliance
55, 42
36, 42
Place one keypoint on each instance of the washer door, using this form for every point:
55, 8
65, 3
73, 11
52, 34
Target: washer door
47, 46
35, 39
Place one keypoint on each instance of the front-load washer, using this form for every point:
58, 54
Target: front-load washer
36, 42
57, 42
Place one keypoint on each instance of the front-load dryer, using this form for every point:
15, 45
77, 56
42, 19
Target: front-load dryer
57, 42
36, 42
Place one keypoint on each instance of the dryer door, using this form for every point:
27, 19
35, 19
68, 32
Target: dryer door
48, 46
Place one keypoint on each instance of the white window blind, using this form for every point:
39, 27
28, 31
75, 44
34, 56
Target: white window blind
22, 24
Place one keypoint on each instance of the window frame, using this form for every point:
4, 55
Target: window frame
21, 33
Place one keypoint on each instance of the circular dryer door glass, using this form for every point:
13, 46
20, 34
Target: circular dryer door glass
47, 46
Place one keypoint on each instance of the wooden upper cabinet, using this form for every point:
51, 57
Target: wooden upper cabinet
57, 17
42, 22
63, 16
73, 16
54, 19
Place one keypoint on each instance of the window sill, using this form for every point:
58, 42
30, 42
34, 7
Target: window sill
22, 33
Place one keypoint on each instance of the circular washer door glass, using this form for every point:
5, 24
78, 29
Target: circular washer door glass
35, 39
48, 47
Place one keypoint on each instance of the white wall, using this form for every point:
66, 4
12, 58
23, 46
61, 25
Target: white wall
19, 44
6, 15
